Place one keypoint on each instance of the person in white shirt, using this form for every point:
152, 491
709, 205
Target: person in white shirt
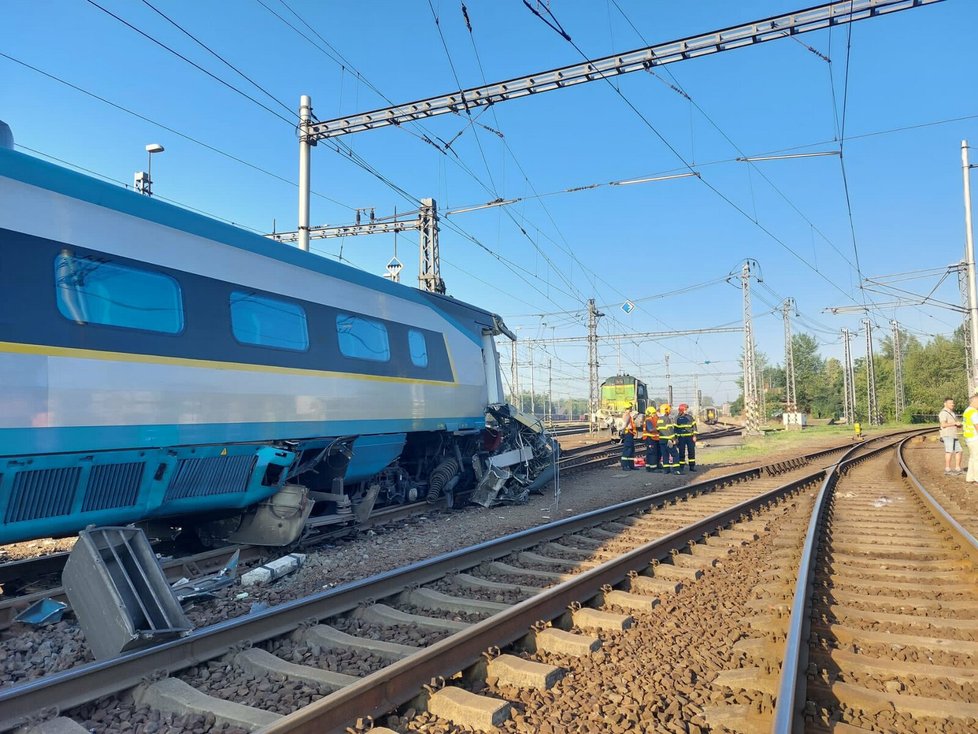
949, 435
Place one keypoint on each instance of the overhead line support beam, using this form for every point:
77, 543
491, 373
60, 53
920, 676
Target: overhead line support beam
641, 59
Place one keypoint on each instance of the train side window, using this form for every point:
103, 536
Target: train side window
94, 291
418, 348
362, 338
268, 322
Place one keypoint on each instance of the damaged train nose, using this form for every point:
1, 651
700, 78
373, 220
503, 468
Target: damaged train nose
520, 457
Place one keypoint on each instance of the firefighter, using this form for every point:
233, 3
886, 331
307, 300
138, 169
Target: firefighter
628, 439
650, 433
667, 439
685, 438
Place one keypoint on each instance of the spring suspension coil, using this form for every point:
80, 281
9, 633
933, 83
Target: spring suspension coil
441, 476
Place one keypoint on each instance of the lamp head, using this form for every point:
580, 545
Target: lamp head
154, 148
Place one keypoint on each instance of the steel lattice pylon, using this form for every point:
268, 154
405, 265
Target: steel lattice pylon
872, 408
899, 395
848, 378
790, 395
592, 357
751, 401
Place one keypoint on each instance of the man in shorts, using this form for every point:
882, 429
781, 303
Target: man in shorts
949, 435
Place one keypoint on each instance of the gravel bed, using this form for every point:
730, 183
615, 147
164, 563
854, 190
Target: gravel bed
337, 660
116, 715
36, 652
400, 633
562, 566
907, 685
939, 612
910, 654
926, 460
374, 551
466, 617
512, 578
547, 549
35, 548
887, 722
654, 676
920, 630
871, 587
500, 596
271, 693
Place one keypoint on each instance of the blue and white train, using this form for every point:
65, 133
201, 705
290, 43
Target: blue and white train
158, 364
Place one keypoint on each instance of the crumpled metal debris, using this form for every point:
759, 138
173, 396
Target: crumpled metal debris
42, 613
207, 587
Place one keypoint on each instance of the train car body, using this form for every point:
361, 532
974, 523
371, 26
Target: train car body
159, 363
710, 416
618, 393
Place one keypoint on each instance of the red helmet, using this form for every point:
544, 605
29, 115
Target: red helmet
683, 407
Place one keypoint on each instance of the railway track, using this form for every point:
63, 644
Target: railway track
33, 579
484, 596
882, 633
609, 451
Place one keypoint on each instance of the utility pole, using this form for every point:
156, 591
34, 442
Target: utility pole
306, 141
872, 410
697, 399
533, 390
514, 376
899, 397
968, 351
592, 360
848, 379
751, 402
550, 390
790, 396
668, 382
969, 239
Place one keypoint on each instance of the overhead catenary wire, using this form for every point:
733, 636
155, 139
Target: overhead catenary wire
679, 88
644, 119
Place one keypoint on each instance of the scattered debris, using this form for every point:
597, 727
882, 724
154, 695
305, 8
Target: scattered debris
118, 592
273, 570
42, 613
207, 587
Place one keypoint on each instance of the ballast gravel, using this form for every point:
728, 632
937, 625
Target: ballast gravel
653, 677
26, 654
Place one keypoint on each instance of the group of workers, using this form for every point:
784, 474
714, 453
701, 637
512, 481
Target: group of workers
670, 441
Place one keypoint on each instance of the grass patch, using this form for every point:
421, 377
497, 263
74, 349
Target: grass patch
758, 447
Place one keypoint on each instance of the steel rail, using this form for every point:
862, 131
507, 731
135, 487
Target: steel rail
969, 543
390, 687
790, 698
87, 682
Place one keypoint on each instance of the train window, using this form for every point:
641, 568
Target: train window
268, 322
93, 291
362, 338
418, 347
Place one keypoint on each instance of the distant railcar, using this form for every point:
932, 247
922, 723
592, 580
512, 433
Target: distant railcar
711, 416
156, 363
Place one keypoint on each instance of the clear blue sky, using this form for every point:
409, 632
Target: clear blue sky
612, 243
